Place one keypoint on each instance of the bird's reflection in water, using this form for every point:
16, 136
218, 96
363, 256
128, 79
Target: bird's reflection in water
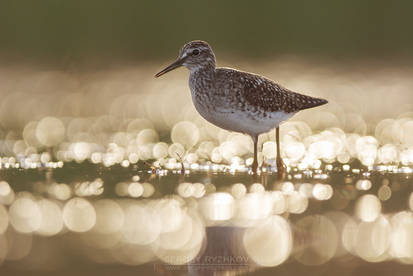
202, 226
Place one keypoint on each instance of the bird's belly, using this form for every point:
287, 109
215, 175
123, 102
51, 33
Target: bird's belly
242, 121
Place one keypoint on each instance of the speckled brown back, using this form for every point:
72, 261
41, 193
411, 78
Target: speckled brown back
264, 94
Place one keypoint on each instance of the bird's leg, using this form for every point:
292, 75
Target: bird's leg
280, 164
255, 162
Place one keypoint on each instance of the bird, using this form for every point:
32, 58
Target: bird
236, 100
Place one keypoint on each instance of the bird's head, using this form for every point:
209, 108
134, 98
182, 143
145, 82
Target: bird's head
194, 55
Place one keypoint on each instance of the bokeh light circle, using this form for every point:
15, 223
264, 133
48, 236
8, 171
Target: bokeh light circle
79, 215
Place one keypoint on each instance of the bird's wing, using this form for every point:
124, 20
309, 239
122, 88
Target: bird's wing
268, 95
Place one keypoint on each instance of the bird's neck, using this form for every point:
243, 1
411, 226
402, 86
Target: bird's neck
205, 68
205, 71
200, 82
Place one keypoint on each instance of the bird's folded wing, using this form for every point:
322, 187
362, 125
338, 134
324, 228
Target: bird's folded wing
259, 92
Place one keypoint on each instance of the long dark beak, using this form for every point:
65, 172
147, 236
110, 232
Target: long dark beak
171, 67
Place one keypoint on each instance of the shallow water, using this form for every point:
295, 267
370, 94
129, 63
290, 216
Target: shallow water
91, 176
340, 217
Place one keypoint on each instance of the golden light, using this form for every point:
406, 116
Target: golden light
205, 149
340, 220
297, 203
384, 193
368, 208
50, 131
176, 150
373, 239
123, 127
363, 184
121, 189
29, 134
148, 190
87, 188
147, 136
294, 151
388, 154
199, 190
133, 158
216, 156
210, 188
323, 149
25, 215
269, 243
306, 189
141, 224
287, 188
257, 188
318, 240
367, 150
131, 254
269, 150
218, 206
5, 189
254, 206
402, 236
410, 203
136, 125
135, 189
188, 251
160, 150
185, 133
349, 234
96, 157
406, 156
4, 219
60, 191
109, 216
170, 213
279, 202
179, 237
185, 189
228, 150
81, 151
343, 157
407, 132
238, 190
79, 215
52, 221
322, 191
7, 199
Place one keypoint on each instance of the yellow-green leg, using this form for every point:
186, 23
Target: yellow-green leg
255, 162
281, 170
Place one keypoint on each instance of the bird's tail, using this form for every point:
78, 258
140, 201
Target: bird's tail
313, 102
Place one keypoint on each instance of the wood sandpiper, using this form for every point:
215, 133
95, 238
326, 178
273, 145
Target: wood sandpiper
238, 101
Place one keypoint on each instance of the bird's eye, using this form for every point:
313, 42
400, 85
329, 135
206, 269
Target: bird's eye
195, 52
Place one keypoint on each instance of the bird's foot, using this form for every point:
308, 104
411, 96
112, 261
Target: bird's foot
281, 169
254, 168
264, 165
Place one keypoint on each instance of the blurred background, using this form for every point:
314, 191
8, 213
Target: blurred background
91, 144
63, 32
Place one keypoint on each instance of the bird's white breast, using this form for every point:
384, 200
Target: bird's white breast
229, 115
237, 120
